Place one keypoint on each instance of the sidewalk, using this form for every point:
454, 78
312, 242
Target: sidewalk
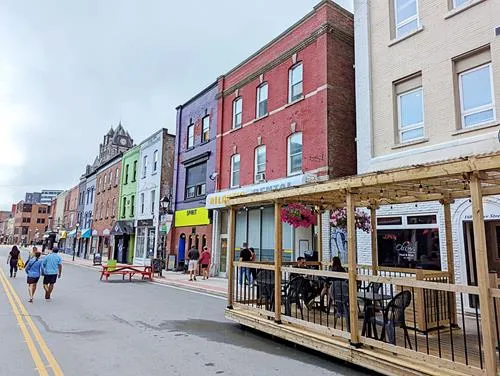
214, 285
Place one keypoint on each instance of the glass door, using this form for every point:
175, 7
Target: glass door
223, 255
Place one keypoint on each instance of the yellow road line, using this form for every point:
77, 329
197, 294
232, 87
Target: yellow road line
41, 342
29, 341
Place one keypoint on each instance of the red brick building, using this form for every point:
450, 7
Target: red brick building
31, 221
286, 115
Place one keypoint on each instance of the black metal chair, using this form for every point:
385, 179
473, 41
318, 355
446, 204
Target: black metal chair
394, 317
298, 290
339, 296
264, 281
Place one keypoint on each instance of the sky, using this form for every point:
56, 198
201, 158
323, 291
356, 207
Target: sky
69, 70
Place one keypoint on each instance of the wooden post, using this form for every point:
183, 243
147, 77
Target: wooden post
485, 302
319, 243
373, 223
353, 288
449, 240
230, 251
278, 255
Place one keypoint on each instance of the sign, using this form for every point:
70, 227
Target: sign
145, 223
191, 217
220, 199
171, 262
166, 223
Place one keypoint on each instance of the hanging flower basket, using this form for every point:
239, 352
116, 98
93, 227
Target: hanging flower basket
338, 218
298, 215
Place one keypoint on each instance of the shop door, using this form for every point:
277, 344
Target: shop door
223, 256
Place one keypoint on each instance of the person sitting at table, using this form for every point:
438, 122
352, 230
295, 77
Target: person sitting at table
335, 267
301, 263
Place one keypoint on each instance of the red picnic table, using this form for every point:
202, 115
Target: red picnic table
130, 270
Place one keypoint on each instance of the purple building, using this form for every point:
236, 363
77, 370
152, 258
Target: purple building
194, 172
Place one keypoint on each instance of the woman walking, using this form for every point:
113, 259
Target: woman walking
205, 262
12, 260
34, 270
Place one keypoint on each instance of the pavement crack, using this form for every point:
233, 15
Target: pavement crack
48, 329
121, 320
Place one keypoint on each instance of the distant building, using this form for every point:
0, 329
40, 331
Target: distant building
31, 222
47, 196
32, 197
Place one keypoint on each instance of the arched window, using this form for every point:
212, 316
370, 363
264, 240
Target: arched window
235, 170
295, 89
294, 152
237, 112
261, 100
260, 164
107, 209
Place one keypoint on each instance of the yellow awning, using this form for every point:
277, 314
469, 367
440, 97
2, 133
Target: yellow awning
191, 217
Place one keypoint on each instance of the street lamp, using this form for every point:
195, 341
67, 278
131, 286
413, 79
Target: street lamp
74, 242
164, 209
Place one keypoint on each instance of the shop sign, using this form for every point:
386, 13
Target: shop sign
191, 217
220, 199
145, 223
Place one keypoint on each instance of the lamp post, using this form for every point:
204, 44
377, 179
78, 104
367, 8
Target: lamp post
74, 242
164, 209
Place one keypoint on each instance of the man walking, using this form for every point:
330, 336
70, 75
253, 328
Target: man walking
245, 256
52, 269
193, 256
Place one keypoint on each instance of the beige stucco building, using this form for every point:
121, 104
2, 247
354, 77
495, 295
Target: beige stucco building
428, 89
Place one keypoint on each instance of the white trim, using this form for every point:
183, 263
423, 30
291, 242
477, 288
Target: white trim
236, 100
190, 136
256, 164
476, 110
232, 171
259, 100
288, 156
291, 84
412, 126
406, 21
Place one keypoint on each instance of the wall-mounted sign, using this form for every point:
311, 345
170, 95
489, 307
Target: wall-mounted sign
145, 223
191, 217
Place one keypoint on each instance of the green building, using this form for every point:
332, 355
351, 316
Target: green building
124, 230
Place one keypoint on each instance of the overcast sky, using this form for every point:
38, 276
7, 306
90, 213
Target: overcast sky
71, 69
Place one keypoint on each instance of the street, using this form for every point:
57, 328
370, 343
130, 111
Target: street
138, 328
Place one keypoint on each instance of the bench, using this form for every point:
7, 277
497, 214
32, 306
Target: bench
146, 272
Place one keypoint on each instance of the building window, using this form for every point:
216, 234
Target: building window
107, 209
476, 96
102, 210
144, 166
117, 176
295, 83
195, 181
205, 129
262, 100
409, 242
92, 195
126, 175
260, 164
155, 161
113, 209
405, 17
142, 203
410, 109
132, 205
190, 140
105, 182
237, 112
235, 170
459, 3
295, 154
153, 193
134, 175
124, 207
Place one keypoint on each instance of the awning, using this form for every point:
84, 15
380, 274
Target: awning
63, 234
123, 227
86, 233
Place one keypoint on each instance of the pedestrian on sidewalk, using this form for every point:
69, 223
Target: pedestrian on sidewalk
205, 262
34, 270
52, 270
193, 257
13, 259
245, 256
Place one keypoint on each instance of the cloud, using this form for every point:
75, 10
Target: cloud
71, 69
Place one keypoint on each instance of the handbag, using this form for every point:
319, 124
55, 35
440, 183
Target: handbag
20, 263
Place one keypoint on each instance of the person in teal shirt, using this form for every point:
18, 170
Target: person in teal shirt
52, 270
34, 270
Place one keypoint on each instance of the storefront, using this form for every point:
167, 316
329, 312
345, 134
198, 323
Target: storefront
192, 228
144, 241
255, 226
84, 242
123, 233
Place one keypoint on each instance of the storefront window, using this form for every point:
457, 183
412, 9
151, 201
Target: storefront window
141, 235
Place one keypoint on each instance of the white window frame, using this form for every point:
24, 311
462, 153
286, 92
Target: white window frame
235, 102
144, 166
142, 203
260, 100
491, 106
413, 126
404, 223
205, 128
256, 164
455, 5
190, 136
155, 161
153, 198
406, 21
289, 156
233, 158
292, 84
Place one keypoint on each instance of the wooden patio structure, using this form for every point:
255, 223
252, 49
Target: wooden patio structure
435, 353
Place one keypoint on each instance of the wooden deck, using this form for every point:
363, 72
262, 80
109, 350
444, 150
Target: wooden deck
456, 350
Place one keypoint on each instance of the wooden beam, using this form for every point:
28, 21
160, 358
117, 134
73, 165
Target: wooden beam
320, 237
487, 318
373, 222
449, 240
353, 288
278, 256
230, 251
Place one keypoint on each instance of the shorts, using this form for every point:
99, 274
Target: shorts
49, 279
193, 265
33, 280
204, 266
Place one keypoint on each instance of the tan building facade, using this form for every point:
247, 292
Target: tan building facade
30, 222
428, 89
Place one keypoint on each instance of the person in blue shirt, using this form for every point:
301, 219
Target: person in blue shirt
52, 269
34, 270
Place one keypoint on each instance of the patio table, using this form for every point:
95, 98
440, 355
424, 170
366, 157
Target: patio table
369, 323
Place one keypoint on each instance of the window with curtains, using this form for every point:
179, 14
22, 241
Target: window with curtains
196, 180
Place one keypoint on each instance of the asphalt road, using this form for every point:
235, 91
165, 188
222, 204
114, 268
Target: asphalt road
121, 328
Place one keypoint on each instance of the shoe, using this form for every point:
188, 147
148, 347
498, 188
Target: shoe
190, 279
195, 278
47, 295
30, 300
14, 275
